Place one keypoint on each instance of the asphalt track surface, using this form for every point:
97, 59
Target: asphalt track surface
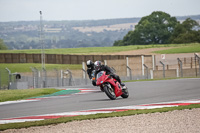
144, 92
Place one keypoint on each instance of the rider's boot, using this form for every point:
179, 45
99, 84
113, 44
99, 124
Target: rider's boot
123, 86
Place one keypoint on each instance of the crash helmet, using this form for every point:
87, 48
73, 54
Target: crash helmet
90, 64
97, 65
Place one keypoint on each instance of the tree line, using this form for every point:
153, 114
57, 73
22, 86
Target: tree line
160, 28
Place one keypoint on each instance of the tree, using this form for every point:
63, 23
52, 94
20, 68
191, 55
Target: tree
2, 45
153, 29
185, 32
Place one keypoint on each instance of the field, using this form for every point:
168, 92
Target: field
193, 48
88, 50
176, 48
109, 28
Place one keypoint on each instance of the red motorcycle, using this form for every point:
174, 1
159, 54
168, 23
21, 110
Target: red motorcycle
111, 86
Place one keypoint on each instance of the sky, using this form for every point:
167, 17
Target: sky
28, 10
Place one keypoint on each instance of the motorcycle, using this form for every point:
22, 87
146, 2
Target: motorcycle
111, 86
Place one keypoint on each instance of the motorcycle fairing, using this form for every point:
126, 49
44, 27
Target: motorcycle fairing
103, 78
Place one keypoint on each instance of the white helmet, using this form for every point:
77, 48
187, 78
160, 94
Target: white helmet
90, 64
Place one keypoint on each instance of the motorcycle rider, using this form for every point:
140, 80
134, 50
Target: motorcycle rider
99, 67
90, 71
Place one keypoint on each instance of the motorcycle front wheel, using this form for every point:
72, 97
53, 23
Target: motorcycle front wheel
125, 93
110, 92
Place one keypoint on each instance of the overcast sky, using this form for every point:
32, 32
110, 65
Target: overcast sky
17, 10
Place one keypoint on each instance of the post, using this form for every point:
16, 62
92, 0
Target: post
84, 77
191, 62
84, 71
33, 71
70, 77
130, 72
177, 72
181, 66
36, 78
105, 62
153, 62
61, 77
151, 72
127, 69
163, 68
42, 42
57, 76
146, 71
44, 77
9, 78
142, 65
195, 64
197, 57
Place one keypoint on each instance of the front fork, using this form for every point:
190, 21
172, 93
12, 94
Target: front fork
103, 85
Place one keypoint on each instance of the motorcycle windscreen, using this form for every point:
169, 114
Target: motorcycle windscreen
100, 77
100, 74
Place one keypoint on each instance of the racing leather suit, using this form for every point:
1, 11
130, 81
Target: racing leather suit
90, 72
109, 71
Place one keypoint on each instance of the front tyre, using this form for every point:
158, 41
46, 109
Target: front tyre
125, 93
110, 92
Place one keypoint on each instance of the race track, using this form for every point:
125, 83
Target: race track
144, 92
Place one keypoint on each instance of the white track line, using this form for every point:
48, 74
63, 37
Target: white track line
101, 110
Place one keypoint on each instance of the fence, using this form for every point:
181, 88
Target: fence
178, 67
130, 68
133, 68
56, 58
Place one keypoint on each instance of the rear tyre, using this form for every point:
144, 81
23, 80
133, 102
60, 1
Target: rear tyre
110, 92
125, 93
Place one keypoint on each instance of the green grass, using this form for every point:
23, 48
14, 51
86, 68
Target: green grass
97, 50
88, 50
192, 48
11, 95
91, 117
25, 67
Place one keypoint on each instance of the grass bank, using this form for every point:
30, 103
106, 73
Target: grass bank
192, 48
88, 50
99, 50
92, 50
11, 95
91, 117
26, 67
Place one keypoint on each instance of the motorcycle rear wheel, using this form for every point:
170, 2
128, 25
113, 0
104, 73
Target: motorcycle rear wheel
110, 92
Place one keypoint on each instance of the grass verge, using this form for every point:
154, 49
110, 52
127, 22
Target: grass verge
11, 95
26, 67
90, 117
192, 48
